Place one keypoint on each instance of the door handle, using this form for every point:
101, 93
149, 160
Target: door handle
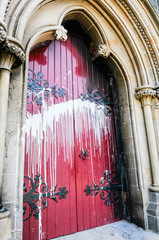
84, 154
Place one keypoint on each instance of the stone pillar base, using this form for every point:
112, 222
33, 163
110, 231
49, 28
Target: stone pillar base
5, 224
153, 211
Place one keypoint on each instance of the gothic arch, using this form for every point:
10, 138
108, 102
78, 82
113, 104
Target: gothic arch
129, 31
121, 73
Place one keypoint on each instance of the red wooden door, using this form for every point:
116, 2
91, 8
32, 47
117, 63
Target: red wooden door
69, 143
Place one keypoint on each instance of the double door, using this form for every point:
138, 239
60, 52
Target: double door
70, 178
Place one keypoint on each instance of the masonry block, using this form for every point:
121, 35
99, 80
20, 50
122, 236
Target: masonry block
153, 211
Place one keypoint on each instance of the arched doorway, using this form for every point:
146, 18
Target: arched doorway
71, 171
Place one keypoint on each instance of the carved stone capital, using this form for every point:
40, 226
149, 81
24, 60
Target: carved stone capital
12, 51
145, 95
61, 34
104, 50
7, 60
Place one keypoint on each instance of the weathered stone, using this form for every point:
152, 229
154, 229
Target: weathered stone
153, 211
5, 225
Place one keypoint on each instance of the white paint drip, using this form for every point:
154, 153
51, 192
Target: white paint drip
50, 133
55, 125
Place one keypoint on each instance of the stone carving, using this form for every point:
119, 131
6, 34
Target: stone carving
7, 47
13, 49
103, 50
17, 51
157, 93
156, 105
6, 11
143, 33
61, 34
3, 34
145, 93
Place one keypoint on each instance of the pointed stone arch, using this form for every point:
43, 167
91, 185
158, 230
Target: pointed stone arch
130, 51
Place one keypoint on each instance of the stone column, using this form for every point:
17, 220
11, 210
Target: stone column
6, 62
153, 205
11, 55
145, 94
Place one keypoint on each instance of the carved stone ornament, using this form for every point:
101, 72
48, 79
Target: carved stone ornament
8, 45
3, 34
6, 11
145, 93
142, 31
61, 34
157, 93
104, 50
17, 51
156, 105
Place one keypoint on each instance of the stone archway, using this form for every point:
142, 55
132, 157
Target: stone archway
124, 26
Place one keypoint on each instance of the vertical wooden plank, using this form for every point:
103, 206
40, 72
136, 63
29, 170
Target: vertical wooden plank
90, 140
97, 158
86, 164
66, 147
51, 226
58, 141
72, 177
44, 173
34, 224
78, 140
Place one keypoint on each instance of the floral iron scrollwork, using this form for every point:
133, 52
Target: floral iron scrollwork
34, 198
110, 192
101, 98
39, 89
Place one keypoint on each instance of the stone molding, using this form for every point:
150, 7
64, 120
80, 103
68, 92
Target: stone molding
143, 33
155, 4
6, 11
103, 50
10, 45
60, 33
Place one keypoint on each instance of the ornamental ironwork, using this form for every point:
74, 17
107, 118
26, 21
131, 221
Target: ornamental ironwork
101, 98
39, 89
109, 188
38, 195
